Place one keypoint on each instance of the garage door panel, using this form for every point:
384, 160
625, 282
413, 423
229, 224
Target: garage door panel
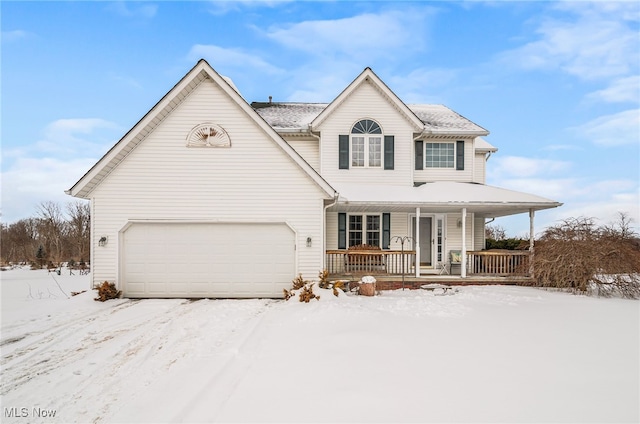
207, 260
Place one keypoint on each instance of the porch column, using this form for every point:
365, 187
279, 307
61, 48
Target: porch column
417, 242
532, 214
463, 263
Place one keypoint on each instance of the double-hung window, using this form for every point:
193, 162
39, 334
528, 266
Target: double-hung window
440, 155
366, 144
364, 229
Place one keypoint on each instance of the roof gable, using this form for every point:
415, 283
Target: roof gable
368, 76
202, 70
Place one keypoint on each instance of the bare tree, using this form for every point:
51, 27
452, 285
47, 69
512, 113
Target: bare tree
79, 229
495, 232
578, 255
52, 229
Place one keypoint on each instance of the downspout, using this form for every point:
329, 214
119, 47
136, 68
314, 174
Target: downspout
336, 195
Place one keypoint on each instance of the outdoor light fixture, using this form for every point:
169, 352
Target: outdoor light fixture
459, 223
103, 241
308, 241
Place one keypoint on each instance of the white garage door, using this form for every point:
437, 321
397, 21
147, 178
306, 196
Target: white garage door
207, 260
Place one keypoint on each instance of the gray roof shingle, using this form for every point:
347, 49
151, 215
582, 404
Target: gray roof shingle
298, 116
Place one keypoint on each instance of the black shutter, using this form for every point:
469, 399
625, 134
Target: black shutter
388, 151
460, 155
386, 230
419, 155
343, 152
342, 231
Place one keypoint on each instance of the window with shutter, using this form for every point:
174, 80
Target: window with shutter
342, 231
343, 152
419, 147
389, 151
460, 155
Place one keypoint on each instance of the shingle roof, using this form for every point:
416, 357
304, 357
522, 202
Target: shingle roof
289, 115
439, 118
297, 116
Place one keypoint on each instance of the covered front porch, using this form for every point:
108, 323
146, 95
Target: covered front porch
428, 232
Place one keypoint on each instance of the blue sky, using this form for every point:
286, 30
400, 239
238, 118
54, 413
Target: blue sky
556, 84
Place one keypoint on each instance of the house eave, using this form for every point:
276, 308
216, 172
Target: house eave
486, 209
452, 133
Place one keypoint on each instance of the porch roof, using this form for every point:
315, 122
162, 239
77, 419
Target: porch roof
438, 197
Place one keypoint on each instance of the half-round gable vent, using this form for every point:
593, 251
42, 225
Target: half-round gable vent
208, 135
366, 126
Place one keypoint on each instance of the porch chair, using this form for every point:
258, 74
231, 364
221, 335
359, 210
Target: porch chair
455, 258
442, 266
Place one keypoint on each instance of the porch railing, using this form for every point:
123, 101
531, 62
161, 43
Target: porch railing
489, 263
370, 261
499, 263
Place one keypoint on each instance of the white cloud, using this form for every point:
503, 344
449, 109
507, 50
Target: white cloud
619, 90
217, 7
613, 130
15, 35
42, 170
30, 181
140, 10
601, 200
126, 80
591, 43
521, 167
367, 36
419, 84
224, 58
68, 137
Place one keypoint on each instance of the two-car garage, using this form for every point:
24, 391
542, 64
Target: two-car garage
201, 260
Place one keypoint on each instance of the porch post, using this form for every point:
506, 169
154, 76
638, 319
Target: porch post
417, 241
532, 214
463, 264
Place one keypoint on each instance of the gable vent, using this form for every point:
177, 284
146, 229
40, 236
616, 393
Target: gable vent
208, 135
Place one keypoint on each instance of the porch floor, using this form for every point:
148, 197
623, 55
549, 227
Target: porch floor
394, 282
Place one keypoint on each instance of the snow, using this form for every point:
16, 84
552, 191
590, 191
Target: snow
482, 354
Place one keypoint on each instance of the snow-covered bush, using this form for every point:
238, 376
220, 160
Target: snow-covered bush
307, 290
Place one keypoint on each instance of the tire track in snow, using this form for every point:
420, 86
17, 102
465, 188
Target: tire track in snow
219, 387
62, 345
34, 339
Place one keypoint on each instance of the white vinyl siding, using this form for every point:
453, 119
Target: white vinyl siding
479, 168
367, 102
454, 233
478, 233
252, 181
308, 149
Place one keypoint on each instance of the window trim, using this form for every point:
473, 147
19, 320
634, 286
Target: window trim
365, 125
364, 231
452, 158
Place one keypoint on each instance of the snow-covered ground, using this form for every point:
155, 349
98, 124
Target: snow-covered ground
483, 354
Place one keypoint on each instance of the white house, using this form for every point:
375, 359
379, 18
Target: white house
209, 196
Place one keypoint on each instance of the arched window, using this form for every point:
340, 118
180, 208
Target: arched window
366, 144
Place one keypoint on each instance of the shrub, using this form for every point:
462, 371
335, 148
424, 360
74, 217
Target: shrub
107, 291
304, 289
581, 257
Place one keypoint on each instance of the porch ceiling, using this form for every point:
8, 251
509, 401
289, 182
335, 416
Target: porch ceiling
438, 197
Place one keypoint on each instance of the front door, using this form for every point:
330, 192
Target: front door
425, 240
